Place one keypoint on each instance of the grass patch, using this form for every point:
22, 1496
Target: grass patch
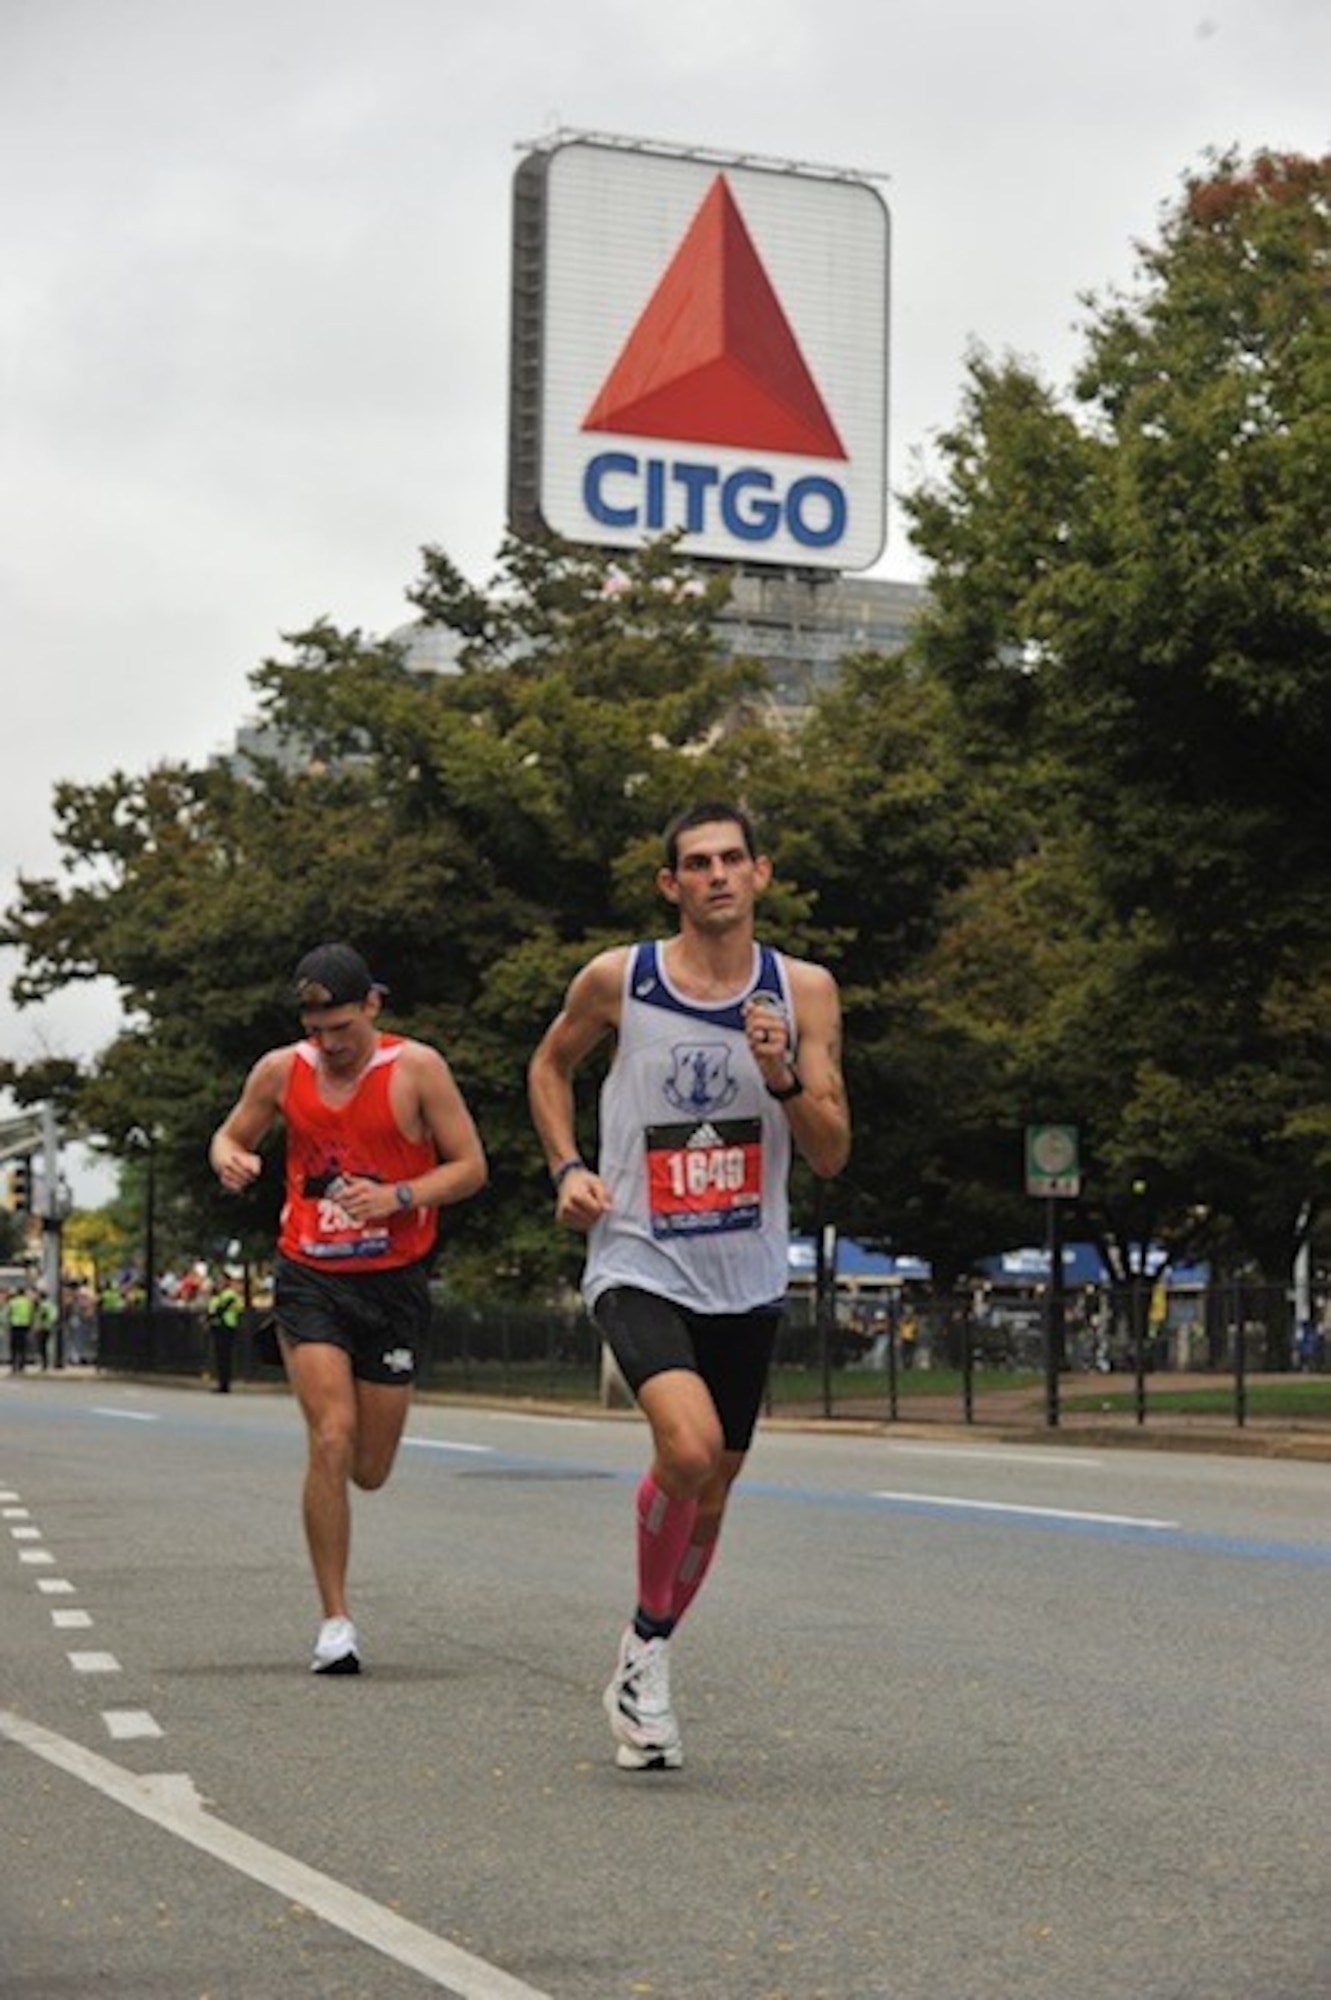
860, 1385
1305, 1398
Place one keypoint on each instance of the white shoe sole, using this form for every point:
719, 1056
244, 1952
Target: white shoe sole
630, 1758
345, 1663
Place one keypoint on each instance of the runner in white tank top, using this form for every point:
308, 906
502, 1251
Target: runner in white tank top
694, 1153
686, 1209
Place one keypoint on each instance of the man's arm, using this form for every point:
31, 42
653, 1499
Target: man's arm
590, 1012
463, 1169
231, 1151
820, 1115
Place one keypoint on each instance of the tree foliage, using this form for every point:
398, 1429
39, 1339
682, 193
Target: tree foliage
1131, 603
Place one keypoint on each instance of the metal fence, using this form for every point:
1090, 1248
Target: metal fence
964, 1357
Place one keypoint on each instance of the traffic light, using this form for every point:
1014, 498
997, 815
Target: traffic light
20, 1187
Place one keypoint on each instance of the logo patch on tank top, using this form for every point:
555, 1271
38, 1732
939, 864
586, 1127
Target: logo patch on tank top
701, 1080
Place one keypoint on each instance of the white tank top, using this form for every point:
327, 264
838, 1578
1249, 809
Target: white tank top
694, 1152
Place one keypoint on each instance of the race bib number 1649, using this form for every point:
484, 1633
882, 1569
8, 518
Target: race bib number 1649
705, 1177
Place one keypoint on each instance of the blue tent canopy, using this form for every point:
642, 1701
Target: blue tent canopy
1082, 1265
854, 1260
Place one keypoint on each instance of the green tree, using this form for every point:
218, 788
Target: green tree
476, 833
1130, 600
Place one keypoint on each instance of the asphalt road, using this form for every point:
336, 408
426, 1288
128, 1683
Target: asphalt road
962, 1721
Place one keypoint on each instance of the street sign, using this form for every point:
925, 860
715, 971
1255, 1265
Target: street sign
1053, 1168
21, 1135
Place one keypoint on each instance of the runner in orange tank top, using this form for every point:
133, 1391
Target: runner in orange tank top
379, 1138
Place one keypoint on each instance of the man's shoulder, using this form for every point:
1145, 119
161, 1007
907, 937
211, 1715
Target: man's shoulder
602, 977
273, 1068
806, 972
413, 1057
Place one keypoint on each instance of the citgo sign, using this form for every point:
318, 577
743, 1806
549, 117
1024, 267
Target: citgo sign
699, 345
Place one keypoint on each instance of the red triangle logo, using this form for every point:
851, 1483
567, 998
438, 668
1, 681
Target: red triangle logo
712, 358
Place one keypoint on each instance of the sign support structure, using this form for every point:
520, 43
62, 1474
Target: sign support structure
1053, 1174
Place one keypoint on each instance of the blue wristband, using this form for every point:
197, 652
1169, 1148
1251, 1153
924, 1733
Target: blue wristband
564, 1169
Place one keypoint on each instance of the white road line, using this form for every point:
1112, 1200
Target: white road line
997, 1454
1011, 1507
445, 1444
129, 1416
55, 1586
71, 1621
94, 1663
35, 1556
170, 1801
26, 1534
124, 1725
15, 1514
536, 1417
7, 1495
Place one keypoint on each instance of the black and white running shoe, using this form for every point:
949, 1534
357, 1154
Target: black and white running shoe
637, 1702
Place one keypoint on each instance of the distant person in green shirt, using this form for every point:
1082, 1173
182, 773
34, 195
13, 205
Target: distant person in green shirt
22, 1314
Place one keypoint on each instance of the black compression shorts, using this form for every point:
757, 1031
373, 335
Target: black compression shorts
379, 1318
732, 1352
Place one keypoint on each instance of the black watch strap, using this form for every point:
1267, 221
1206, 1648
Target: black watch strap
795, 1088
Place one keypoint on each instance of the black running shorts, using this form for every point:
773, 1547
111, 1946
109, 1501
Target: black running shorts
379, 1318
732, 1352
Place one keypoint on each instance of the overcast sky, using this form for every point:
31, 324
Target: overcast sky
254, 294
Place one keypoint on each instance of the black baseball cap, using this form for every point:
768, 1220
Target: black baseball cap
334, 975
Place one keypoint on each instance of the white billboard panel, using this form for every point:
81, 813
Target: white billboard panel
712, 357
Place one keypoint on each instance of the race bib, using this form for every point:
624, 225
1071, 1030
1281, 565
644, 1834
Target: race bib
337, 1234
705, 1177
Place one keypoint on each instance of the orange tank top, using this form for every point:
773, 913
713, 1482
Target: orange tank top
362, 1137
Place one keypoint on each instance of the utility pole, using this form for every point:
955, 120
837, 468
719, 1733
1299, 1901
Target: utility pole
51, 1225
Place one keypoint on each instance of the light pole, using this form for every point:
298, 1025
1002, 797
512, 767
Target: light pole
145, 1138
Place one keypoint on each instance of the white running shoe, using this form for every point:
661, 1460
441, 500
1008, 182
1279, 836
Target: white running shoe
637, 1702
337, 1648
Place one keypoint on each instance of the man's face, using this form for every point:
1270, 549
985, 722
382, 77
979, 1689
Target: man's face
344, 1034
716, 881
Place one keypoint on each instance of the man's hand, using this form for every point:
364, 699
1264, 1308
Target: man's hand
235, 1166
363, 1200
582, 1199
768, 1034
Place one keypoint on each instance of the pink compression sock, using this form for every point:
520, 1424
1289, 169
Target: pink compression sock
664, 1527
697, 1560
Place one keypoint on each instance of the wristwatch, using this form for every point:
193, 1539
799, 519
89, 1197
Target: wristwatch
786, 1091
403, 1195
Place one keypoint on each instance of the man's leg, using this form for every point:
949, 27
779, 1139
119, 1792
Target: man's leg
381, 1416
697, 1557
687, 1447
687, 1442
320, 1375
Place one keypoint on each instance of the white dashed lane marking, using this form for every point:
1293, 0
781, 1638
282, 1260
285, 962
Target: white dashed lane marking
123, 1725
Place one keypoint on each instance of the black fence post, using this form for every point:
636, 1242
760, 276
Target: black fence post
967, 1371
